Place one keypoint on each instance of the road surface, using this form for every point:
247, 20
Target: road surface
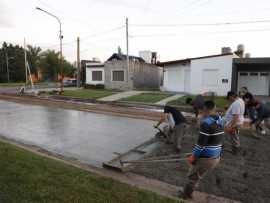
91, 138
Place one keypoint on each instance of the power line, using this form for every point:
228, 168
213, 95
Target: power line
56, 45
63, 14
217, 32
104, 32
86, 37
202, 24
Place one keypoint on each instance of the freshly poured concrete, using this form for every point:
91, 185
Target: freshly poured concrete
89, 137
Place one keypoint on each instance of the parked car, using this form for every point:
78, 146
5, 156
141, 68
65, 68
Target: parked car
69, 82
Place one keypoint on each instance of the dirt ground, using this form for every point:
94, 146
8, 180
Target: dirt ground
244, 177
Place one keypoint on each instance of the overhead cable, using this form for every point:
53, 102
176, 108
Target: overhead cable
202, 24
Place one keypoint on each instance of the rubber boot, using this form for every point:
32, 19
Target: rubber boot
187, 194
235, 150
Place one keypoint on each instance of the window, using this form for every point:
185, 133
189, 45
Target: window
264, 74
118, 75
243, 74
253, 74
210, 77
97, 75
225, 81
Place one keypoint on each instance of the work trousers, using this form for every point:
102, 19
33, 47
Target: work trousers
267, 123
252, 114
234, 137
178, 134
197, 171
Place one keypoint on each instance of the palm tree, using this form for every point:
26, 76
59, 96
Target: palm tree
33, 56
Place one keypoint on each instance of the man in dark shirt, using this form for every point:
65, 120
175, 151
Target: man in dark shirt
197, 104
177, 125
262, 113
206, 153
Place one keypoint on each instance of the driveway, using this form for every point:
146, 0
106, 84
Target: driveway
120, 95
89, 137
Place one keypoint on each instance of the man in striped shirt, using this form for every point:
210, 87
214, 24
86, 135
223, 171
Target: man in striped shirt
206, 153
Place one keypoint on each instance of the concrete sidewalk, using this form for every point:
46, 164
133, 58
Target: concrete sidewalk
166, 100
49, 89
120, 95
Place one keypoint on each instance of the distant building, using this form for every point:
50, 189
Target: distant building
114, 73
94, 73
141, 75
83, 69
148, 56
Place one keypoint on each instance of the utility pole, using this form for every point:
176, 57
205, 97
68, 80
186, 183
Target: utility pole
25, 61
7, 59
127, 50
78, 63
61, 55
61, 58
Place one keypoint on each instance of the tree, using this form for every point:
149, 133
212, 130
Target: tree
16, 63
46, 62
68, 69
33, 57
49, 64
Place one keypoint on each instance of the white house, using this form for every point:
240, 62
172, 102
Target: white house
213, 73
198, 75
94, 73
176, 76
217, 73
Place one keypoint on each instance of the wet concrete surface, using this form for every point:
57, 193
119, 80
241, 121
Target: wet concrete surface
91, 138
9, 90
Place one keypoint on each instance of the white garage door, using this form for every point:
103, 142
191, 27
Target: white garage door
175, 80
256, 82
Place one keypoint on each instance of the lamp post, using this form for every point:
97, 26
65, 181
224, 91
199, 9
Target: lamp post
7, 62
60, 37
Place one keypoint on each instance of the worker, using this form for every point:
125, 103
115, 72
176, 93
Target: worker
197, 104
243, 90
234, 118
206, 153
177, 125
250, 106
262, 112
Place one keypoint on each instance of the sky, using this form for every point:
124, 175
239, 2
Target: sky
175, 29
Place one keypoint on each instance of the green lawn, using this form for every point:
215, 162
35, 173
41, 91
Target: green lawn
221, 102
147, 97
26, 177
87, 93
11, 84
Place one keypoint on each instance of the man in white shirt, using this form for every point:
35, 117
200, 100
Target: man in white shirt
234, 119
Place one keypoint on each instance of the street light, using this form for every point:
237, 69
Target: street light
60, 37
7, 60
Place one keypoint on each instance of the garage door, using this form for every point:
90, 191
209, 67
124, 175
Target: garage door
256, 82
175, 80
